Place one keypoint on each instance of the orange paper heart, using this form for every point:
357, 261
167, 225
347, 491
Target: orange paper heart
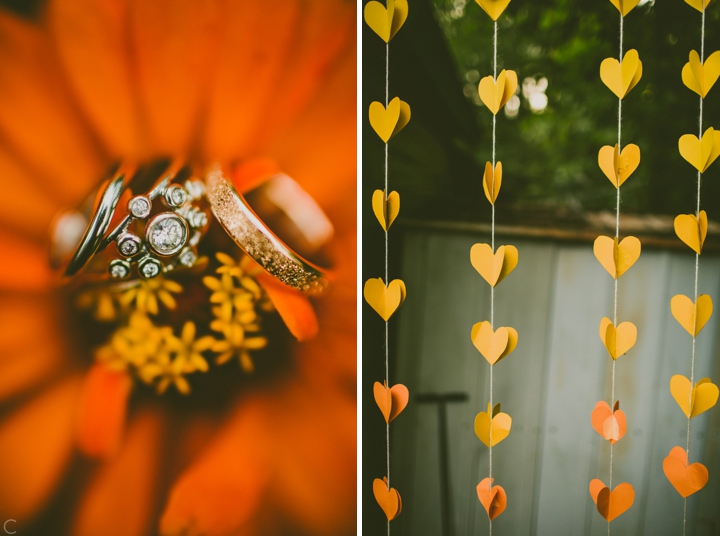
492, 179
686, 479
386, 21
617, 258
385, 209
493, 267
496, 93
619, 77
499, 425
388, 498
618, 166
692, 230
617, 341
493, 345
700, 153
385, 300
613, 503
692, 317
624, 6
386, 122
703, 396
612, 425
493, 498
390, 401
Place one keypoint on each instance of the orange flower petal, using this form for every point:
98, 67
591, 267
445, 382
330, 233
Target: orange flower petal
29, 269
38, 117
92, 41
250, 65
32, 349
292, 305
101, 411
253, 172
221, 491
120, 498
175, 44
35, 446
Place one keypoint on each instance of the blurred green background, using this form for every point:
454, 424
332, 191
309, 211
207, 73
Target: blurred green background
548, 148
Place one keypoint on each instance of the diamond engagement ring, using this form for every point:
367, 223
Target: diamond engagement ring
157, 233
296, 215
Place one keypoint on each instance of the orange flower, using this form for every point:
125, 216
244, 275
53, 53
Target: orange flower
261, 85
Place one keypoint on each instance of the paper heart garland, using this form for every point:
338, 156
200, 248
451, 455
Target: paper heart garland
685, 312
703, 397
385, 300
700, 5
619, 77
388, 122
699, 77
386, 21
611, 425
493, 498
500, 423
493, 267
618, 341
617, 258
492, 179
611, 504
493, 345
686, 479
496, 93
619, 166
624, 6
692, 230
700, 153
386, 209
388, 499
390, 401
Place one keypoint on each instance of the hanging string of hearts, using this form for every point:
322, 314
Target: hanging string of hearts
385, 296
617, 256
493, 265
693, 398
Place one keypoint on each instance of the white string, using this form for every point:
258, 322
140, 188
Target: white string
387, 281
697, 266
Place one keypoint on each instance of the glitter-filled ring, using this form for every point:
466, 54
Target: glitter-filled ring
256, 239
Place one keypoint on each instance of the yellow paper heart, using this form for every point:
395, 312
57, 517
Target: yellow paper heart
493, 345
493, 267
385, 300
700, 153
624, 6
617, 341
617, 258
685, 311
692, 230
496, 93
704, 395
700, 5
494, 8
701, 78
619, 166
386, 21
492, 179
620, 78
387, 208
501, 424
388, 122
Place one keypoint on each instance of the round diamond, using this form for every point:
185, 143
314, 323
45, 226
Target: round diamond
149, 267
175, 196
119, 269
129, 245
197, 218
140, 206
188, 258
167, 233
